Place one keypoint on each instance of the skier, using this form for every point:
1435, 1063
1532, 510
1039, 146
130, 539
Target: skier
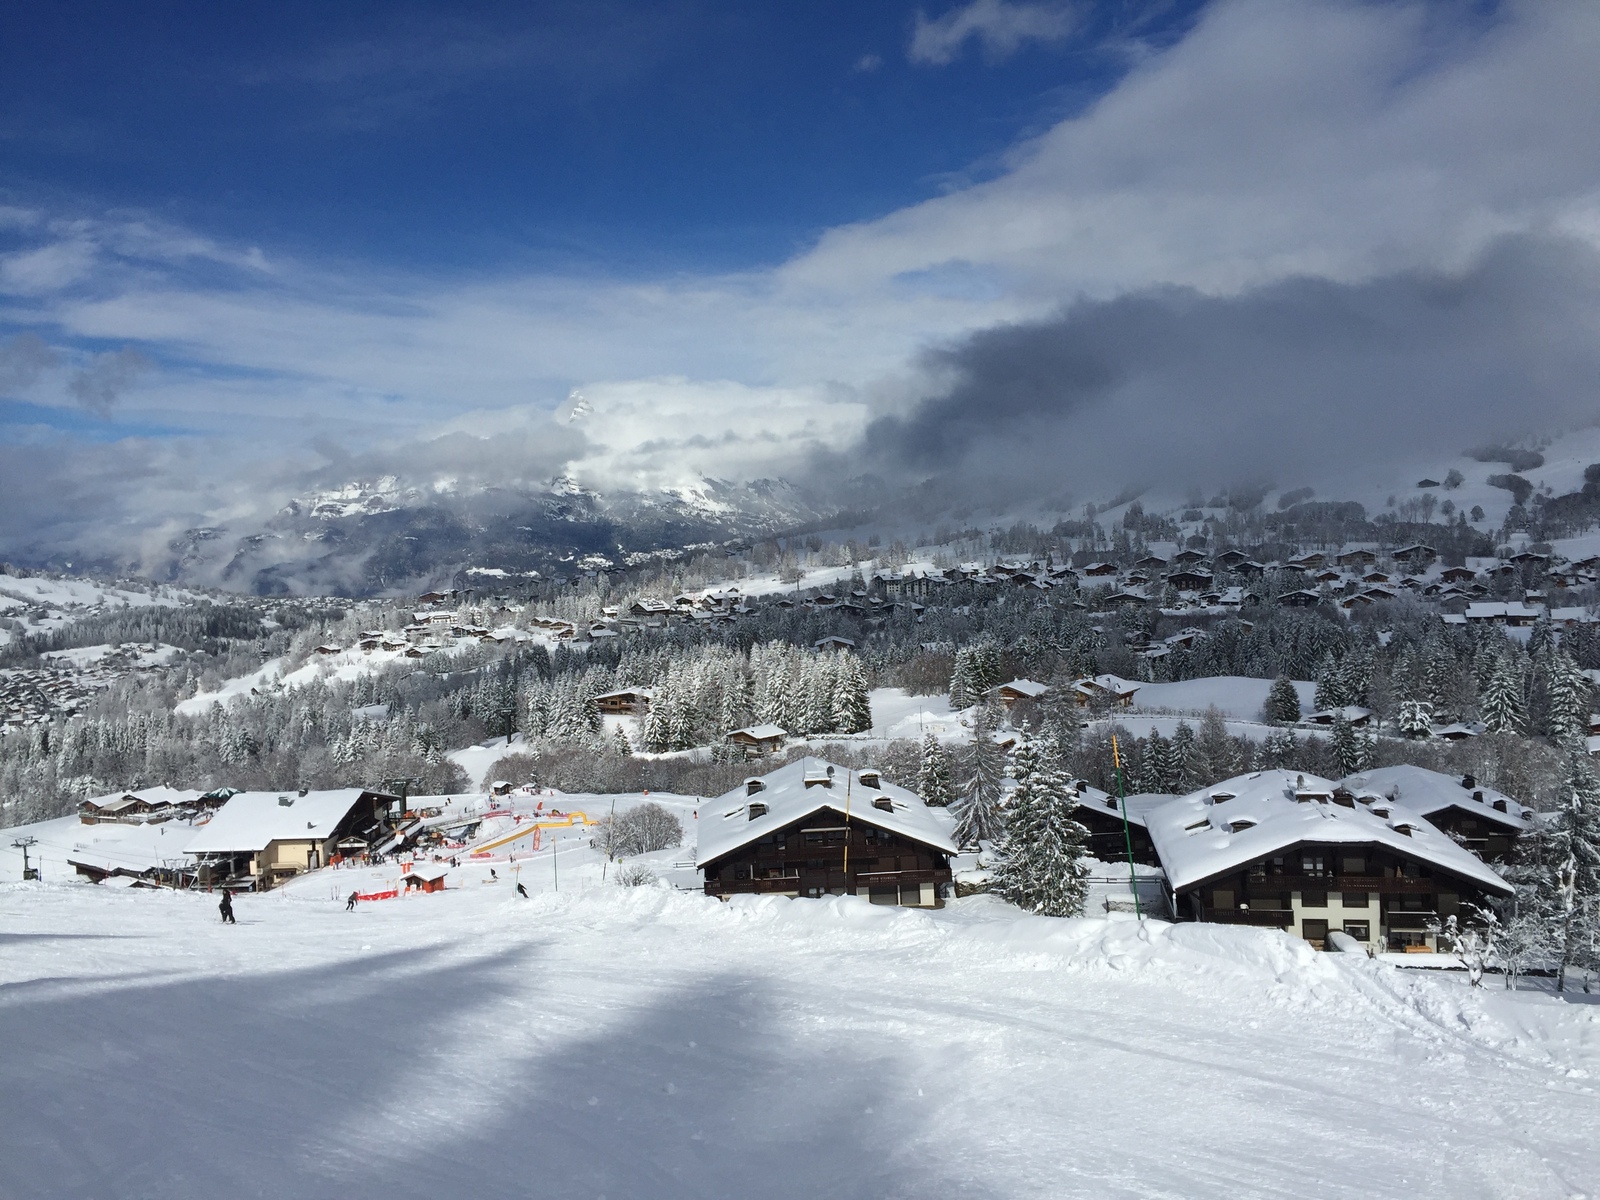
493, 876
226, 908
350, 901
522, 891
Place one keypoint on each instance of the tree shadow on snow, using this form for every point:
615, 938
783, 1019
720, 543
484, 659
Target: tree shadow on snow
337, 1081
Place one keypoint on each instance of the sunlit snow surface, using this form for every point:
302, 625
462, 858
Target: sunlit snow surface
645, 1043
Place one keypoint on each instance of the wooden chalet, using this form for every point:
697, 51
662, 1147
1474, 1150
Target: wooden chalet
816, 829
1311, 857
1485, 821
1018, 689
1106, 689
632, 701
1101, 814
757, 741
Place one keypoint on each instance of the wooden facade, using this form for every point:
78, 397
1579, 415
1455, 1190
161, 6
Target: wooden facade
1371, 892
807, 858
1107, 840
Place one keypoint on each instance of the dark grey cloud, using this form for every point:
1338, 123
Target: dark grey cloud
22, 359
98, 385
1306, 379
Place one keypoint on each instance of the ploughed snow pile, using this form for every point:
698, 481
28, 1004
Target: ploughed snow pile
642, 1042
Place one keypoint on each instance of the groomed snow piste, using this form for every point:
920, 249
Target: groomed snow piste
646, 1043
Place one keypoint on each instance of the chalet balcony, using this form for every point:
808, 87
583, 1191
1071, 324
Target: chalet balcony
1345, 883
1277, 918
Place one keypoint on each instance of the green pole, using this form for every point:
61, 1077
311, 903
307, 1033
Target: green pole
1127, 832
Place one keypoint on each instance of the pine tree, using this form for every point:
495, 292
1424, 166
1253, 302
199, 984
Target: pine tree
934, 780
1569, 694
1503, 710
1158, 772
1040, 864
1283, 702
1415, 719
979, 817
1346, 746
964, 688
1574, 857
852, 701
1184, 759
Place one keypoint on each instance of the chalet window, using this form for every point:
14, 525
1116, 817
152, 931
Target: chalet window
1313, 864
1313, 899
1360, 930
1411, 903
868, 779
883, 802
752, 786
1258, 870
1314, 931
1357, 900
757, 809
1222, 898
1449, 904
1353, 866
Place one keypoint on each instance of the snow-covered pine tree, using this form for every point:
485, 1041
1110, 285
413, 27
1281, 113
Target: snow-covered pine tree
1283, 702
964, 689
1501, 705
1330, 684
1569, 693
1574, 859
1158, 772
1415, 719
935, 779
1184, 759
1040, 864
1346, 746
852, 700
979, 817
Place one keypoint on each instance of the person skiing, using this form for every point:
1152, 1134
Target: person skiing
522, 891
350, 902
493, 876
226, 908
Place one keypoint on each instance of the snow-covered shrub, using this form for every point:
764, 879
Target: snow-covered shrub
636, 875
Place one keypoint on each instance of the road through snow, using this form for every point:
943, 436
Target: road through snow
645, 1043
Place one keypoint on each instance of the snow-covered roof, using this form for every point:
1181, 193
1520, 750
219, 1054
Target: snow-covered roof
762, 733
250, 821
428, 871
1427, 792
1223, 827
1139, 805
1023, 687
804, 787
155, 796
1115, 685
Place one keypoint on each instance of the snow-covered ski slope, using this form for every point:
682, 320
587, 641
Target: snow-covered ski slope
646, 1043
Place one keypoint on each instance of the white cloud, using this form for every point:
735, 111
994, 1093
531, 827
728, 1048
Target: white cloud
1280, 138
1001, 27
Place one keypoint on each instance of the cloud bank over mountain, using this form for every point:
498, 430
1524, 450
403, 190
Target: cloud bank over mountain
1311, 235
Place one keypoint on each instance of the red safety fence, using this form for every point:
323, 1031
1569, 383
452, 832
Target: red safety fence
391, 894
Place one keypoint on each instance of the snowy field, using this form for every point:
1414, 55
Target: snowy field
646, 1043
1236, 696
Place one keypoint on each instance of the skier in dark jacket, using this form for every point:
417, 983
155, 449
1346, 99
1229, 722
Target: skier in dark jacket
522, 891
350, 903
226, 908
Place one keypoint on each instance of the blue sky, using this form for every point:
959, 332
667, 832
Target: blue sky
297, 241
612, 137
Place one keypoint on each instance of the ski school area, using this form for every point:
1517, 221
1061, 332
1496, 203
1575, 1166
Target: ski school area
375, 845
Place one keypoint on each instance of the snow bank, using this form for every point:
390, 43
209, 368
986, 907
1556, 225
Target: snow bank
641, 1042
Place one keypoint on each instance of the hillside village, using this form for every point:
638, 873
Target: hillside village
1190, 675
